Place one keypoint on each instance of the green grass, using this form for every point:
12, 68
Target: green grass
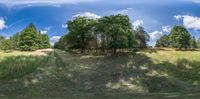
146, 74
20, 66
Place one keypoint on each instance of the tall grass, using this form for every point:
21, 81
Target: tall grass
20, 66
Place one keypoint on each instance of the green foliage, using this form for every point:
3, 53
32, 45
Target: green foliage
142, 37
198, 43
6, 45
107, 33
116, 29
43, 41
15, 41
163, 41
179, 37
193, 43
79, 32
27, 40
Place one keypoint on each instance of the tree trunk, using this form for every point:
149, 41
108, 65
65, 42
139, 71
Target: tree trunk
114, 50
82, 50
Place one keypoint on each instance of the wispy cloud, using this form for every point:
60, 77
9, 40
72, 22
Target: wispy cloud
42, 2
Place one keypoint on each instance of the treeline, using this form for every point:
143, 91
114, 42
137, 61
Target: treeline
28, 39
178, 38
106, 34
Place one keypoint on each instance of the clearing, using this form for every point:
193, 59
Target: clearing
147, 74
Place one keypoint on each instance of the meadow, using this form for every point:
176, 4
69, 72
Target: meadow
145, 74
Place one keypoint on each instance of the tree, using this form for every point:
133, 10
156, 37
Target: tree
179, 37
15, 41
29, 38
43, 41
1, 39
115, 30
79, 32
6, 44
163, 41
193, 43
142, 37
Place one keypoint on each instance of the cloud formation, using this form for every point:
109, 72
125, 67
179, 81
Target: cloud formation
54, 39
137, 23
178, 17
64, 25
89, 15
46, 30
190, 22
155, 35
166, 29
41, 2
2, 24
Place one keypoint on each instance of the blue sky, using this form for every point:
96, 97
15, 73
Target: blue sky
50, 16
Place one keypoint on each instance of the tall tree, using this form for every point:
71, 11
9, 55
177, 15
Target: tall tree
43, 41
193, 43
142, 37
79, 32
179, 37
116, 29
15, 41
2, 39
29, 38
163, 41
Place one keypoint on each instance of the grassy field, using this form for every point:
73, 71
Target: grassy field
147, 74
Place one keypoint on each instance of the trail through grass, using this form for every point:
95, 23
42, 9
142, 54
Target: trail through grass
141, 75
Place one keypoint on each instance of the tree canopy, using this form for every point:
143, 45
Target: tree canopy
107, 33
179, 38
27, 40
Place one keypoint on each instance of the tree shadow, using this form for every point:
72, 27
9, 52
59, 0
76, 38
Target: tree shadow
125, 74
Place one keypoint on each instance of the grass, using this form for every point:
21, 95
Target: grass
146, 74
19, 66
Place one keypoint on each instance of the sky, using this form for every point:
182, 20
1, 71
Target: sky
50, 16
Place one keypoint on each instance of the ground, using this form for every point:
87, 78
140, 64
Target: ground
146, 74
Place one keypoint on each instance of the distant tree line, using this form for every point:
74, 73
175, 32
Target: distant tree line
107, 34
178, 38
28, 39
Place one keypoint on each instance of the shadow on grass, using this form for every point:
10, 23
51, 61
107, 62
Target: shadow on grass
126, 75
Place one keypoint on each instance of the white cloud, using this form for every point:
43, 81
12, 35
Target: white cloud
191, 22
137, 23
155, 35
42, 2
178, 17
2, 24
87, 15
54, 39
64, 25
43, 32
166, 28
46, 30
